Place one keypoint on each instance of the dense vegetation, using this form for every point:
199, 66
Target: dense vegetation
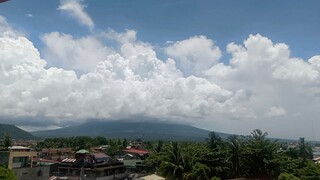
6, 142
7, 174
253, 156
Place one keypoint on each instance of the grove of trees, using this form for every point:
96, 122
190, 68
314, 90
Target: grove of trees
254, 156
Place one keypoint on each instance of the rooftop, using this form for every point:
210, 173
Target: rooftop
136, 151
19, 148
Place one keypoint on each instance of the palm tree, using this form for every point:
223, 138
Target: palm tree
234, 146
175, 165
259, 153
214, 141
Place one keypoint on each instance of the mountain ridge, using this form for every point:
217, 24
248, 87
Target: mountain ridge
132, 130
15, 132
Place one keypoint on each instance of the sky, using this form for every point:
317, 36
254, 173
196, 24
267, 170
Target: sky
222, 65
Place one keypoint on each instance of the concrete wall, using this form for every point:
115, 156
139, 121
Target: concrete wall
36, 173
28, 154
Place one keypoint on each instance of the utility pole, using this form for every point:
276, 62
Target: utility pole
81, 173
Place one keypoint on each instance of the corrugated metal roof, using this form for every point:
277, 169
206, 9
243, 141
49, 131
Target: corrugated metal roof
69, 160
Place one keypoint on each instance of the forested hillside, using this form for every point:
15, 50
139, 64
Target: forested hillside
15, 132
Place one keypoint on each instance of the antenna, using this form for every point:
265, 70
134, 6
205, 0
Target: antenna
312, 132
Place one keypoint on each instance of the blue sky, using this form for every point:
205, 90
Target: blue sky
291, 21
229, 66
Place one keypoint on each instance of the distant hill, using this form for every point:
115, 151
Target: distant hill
132, 130
15, 132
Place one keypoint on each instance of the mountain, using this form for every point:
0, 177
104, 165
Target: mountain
15, 132
132, 130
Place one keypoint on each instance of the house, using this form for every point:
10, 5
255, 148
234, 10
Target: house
17, 157
56, 154
133, 159
22, 160
87, 165
136, 153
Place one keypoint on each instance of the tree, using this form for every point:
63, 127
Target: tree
311, 171
114, 147
214, 140
259, 153
234, 146
7, 174
159, 146
6, 141
286, 176
153, 161
101, 140
284, 163
124, 143
175, 165
305, 151
217, 157
199, 172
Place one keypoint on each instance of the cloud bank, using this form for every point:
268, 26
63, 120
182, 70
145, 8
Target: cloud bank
261, 84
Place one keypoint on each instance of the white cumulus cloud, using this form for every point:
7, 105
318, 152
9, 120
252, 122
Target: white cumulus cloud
275, 111
6, 29
77, 10
83, 54
194, 55
261, 82
130, 83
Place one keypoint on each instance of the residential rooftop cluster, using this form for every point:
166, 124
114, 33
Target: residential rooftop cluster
67, 163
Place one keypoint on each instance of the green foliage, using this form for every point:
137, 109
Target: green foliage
311, 171
235, 154
254, 156
159, 146
286, 176
114, 147
101, 140
305, 151
148, 145
214, 141
153, 161
124, 143
215, 178
6, 141
172, 166
76, 143
199, 172
285, 164
7, 174
259, 153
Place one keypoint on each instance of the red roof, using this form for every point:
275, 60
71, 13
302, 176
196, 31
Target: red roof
136, 151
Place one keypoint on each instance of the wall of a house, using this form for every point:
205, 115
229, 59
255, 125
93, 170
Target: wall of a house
35, 173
